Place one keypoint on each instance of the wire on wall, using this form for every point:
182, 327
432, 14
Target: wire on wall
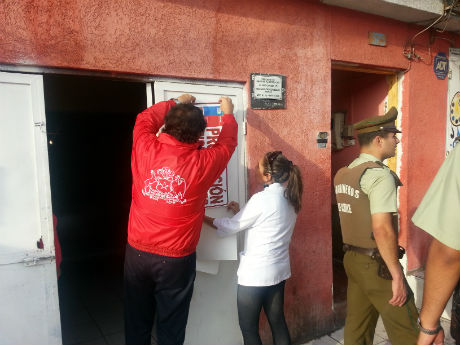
409, 50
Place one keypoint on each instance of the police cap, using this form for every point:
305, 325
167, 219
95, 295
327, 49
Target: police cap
378, 123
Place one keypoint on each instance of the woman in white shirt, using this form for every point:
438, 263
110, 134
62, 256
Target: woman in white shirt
268, 218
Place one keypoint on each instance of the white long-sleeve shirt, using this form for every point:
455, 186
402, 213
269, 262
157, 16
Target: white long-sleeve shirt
269, 220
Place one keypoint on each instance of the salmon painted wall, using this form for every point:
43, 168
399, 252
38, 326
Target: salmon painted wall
425, 102
227, 40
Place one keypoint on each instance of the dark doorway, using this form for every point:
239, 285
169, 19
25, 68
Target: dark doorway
355, 95
89, 124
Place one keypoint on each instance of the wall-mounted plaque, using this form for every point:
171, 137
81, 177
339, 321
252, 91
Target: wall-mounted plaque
268, 91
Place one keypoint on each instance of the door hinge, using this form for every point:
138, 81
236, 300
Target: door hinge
42, 125
37, 260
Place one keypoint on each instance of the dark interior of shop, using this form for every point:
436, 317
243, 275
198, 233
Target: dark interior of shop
89, 126
357, 95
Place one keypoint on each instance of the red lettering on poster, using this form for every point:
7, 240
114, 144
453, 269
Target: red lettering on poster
217, 194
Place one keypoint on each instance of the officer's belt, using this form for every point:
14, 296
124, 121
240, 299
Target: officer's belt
366, 251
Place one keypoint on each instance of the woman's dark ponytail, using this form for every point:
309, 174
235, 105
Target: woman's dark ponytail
281, 169
294, 188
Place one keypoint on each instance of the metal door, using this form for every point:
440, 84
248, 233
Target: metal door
29, 312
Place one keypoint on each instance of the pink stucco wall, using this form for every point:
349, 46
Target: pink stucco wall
227, 40
425, 103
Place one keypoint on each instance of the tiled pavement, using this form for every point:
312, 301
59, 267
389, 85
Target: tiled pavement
380, 337
92, 310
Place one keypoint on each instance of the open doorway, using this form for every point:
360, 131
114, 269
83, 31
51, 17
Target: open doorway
355, 95
89, 126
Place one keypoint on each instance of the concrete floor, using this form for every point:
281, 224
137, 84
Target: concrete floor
91, 303
380, 337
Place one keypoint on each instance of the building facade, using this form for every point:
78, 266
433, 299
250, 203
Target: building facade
332, 63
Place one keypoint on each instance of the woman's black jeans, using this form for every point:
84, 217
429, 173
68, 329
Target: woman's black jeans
251, 299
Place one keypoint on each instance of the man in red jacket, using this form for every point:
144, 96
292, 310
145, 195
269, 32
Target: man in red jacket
171, 177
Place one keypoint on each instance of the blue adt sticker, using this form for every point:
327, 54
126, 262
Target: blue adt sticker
441, 65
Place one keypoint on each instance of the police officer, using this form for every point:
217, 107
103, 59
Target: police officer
367, 201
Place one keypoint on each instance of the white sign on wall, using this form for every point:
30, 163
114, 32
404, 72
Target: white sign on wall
268, 87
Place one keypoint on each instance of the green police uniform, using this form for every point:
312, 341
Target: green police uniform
438, 213
364, 188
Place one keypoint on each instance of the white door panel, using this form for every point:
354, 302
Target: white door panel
29, 312
213, 317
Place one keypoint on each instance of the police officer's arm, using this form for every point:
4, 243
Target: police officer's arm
386, 240
441, 275
380, 187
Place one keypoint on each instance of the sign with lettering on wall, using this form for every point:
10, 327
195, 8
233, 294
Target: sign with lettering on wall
268, 91
218, 193
441, 65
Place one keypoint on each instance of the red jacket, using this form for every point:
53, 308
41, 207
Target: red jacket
170, 183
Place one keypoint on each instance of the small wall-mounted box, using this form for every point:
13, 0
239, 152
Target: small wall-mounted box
347, 131
377, 39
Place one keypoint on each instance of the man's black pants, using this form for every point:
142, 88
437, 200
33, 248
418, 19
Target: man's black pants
157, 285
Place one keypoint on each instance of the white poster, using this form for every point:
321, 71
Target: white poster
218, 193
231, 185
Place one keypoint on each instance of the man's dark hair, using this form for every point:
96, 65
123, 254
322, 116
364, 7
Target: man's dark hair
366, 138
185, 122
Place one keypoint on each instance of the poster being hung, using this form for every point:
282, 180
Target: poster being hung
218, 193
230, 185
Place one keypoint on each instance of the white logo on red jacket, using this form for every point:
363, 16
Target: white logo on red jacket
164, 184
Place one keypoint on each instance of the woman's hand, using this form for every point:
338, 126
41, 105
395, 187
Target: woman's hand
209, 221
234, 207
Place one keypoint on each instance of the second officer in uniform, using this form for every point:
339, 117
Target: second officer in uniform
367, 201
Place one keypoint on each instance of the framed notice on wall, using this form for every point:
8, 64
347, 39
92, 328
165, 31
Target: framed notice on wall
268, 91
